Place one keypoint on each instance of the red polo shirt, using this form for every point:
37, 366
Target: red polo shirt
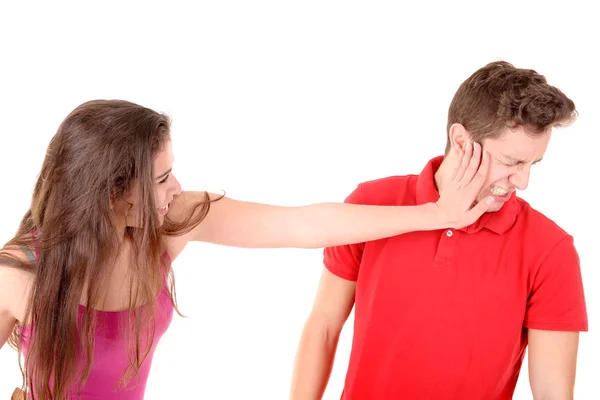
441, 314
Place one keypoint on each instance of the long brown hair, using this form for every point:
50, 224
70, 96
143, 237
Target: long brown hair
500, 95
101, 151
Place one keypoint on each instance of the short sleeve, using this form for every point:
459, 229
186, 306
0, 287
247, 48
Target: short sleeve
557, 300
344, 261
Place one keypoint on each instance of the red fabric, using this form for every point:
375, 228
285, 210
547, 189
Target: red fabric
443, 314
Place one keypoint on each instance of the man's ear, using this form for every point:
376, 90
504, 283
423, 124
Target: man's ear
458, 136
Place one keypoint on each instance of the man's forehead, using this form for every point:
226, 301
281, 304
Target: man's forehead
510, 152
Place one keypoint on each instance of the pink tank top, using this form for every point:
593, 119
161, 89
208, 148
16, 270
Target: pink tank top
111, 353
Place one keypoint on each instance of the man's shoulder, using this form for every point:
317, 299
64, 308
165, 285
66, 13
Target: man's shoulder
536, 224
390, 190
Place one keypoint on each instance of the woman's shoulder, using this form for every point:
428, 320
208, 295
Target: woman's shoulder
15, 281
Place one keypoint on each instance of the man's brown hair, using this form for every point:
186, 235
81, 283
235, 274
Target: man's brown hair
500, 95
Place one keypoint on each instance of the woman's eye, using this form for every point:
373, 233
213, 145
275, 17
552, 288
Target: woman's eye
165, 179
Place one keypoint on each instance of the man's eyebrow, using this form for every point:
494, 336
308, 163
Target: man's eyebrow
517, 160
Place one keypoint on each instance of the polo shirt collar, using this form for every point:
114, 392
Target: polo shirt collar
498, 222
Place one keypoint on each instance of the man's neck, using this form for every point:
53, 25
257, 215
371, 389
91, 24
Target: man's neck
440, 175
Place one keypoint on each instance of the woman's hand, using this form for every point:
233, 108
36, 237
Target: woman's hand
458, 193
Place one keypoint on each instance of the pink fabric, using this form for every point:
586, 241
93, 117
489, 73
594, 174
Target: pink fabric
111, 353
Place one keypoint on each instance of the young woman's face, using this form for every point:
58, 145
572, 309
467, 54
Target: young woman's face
166, 186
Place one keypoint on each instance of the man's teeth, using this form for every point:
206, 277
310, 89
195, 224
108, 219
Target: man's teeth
498, 191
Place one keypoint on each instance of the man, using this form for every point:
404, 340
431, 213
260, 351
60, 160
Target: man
447, 314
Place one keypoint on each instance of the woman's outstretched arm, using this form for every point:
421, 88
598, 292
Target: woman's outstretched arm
255, 225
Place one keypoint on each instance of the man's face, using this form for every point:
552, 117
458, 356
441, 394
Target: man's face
511, 157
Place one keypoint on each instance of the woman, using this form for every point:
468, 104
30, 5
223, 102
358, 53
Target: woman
86, 284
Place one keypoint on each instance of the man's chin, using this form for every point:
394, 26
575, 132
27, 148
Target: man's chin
495, 207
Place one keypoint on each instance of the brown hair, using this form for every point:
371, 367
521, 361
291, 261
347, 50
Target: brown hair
100, 151
500, 95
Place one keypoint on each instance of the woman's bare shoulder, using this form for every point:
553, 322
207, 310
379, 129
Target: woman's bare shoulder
185, 207
15, 283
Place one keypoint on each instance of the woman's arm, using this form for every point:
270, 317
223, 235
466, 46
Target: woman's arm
245, 224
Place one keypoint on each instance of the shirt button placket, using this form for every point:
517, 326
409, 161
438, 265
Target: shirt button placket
445, 251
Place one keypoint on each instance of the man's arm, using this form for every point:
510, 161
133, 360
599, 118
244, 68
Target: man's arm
318, 344
555, 314
552, 363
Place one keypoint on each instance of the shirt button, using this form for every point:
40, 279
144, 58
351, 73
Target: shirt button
449, 233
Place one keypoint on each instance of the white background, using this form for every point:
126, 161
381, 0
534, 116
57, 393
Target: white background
289, 103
